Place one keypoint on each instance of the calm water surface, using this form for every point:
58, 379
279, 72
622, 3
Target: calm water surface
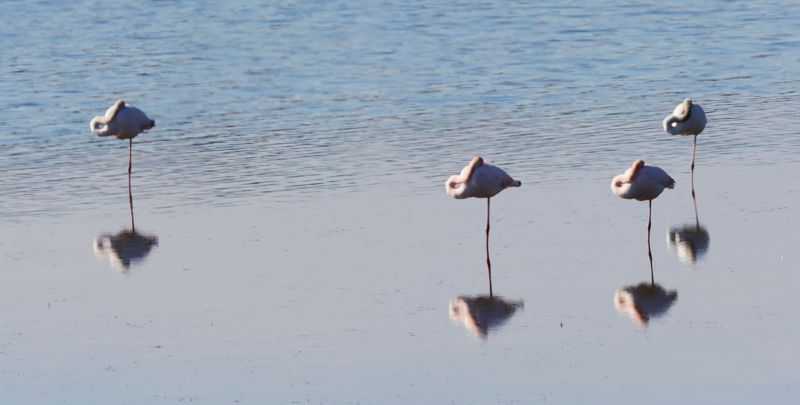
295, 244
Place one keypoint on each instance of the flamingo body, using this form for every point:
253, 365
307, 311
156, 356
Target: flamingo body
479, 179
687, 118
121, 120
641, 182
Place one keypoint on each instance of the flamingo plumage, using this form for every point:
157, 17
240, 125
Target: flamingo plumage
480, 180
642, 183
123, 121
688, 118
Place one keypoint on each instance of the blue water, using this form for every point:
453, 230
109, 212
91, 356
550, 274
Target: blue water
285, 99
299, 141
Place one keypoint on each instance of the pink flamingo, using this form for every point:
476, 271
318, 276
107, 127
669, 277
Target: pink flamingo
687, 118
642, 183
123, 121
481, 180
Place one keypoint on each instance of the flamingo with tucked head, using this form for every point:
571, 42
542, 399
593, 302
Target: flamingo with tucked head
123, 121
687, 118
641, 182
481, 180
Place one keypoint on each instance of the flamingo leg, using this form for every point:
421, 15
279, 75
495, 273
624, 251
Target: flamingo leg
694, 200
694, 203
488, 262
694, 148
130, 202
649, 250
130, 154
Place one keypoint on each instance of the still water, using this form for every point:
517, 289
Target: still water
294, 243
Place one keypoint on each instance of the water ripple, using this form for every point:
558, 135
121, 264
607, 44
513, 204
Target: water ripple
286, 101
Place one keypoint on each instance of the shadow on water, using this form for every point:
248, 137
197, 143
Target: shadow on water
127, 246
691, 241
483, 313
644, 301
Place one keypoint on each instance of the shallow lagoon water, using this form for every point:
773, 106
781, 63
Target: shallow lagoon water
306, 249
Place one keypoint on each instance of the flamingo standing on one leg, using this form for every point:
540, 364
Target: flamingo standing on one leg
687, 118
481, 180
641, 183
125, 122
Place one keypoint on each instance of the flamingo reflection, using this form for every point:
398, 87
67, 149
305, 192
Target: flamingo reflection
691, 241
644, 301
124, 248
483, 313
641, 182
127, 246
481, 180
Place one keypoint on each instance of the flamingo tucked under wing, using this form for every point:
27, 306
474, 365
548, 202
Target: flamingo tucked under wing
123, 121
481, 180
641, 182
688, 118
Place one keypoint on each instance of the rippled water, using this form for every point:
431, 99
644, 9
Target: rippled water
254, 100
306, 251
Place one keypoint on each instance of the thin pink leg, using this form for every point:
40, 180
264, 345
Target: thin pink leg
694, 147
694, 199
130, 154
649, 251
488, 262
130, 193
130, 202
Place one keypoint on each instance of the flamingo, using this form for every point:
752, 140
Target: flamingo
123, 121
642, 183
481, 180
687, 118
